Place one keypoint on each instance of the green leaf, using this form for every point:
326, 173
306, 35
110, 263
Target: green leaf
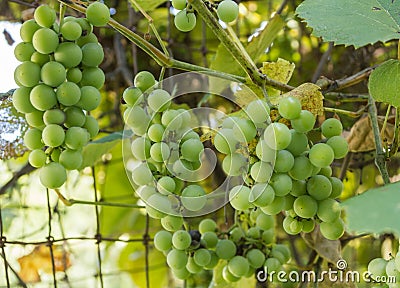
114, 136
147, 5
384, 83
375, 211
352, 22
93, 152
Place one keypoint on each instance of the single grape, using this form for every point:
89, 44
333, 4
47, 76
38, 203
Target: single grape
92, 54
179, 4
68, 93
234, 164
305, 206
331, 127
213, 262
45, 41
277, 135
177, 259
261, 194
74, 75
225, 249
254, 232
209, 239
172, 120
397, 260
53, 74
192, 266
304, 123
43, 97
87, 28
21, 100
33, 139
37, 158
185, 21
192, 149
74, 117
166, 185
239, 197
158, 205
89, 38
35, 119
52, 175
163, 240
227, 11
159, 151
91, 125
328, 210
332, 230
326, 171
159, 100
182, 274
268, 236
391, 269
181, 240
302, 168
27, 30
90, 98
275, 207
319, 187
321, 155
98, 14
71, 30
296, 226
27, 74
228, 276
202, 257
308, 225
133, 96
298, 143
256, 258
337, 187
24, 51
258, 111
44, 16
225, 142
287, 225
140, 148
238, 266
142, 174
289, 107
193, 197
284, 161
68, 54
76, 138
265, 222
339, 146
244, 130
377, 267
272, 264
207, 225
156, 132
71, 159
281, 183
144, 80
172, 223
40, 58
261, 171
299, 187
53, 135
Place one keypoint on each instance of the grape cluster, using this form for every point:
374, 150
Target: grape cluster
59, 81
382, 271
185, 19
243, 250
285, 172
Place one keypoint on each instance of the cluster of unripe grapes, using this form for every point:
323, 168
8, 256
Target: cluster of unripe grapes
244, 250
386, 272
282, 170
59, 81
185, 19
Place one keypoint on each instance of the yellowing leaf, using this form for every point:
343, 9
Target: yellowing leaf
281, 70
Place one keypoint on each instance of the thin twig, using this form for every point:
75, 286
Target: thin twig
322, 63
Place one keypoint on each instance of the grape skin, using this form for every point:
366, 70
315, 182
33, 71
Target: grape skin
227, 11
185, 21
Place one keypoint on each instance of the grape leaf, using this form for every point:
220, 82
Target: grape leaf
147, 5
384, 83
281, 70
352, 22
93, 152
375, 211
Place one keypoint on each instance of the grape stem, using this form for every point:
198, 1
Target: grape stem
351, 114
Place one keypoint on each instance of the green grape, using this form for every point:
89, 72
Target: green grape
236, 234
179, 4
287, 225
281, 183
137, 119
255, 258
166, 185
52, 175
337, 187
339, 146
90, 38
277, 135
228, 276
258, 111
27, 30
377, 267
283, 250
268, 236
298, 143
68, 93
244, 130
140, 148
192, 149
289, 107
181, 240
284, 161
331, 127
74, 75
45, 41
261, 171
71, 30
207, 225
35, 119
299, 187
158, 205
68, 54
133, 96
55, 154
53, 135
227, 11
142, 175
305, 206
71, 159
328, 210
93, 76
296, 226
144, 80
163, 240
308, 225
39, 58
302, 168
326, 171
234, 164
177, 259
53, 74
98, 14
225, 249
159, 100
37, 158
181, 274
76, 138
391, 269
145, 192
213, 262
156, 132
43, 97
74, 117
321, 155
192, 267
159, 151
319, 187
44, 16
332, 230
209, 239
33, 139
265, 222
239, 197
264, 152
24, 51
92, 54
397, 260
27, 74
193, 197
254, 232
289, 200
304, 123
225, 141
172, 223
87, 28
229, 122
91, 125
275, 207
21, 100
238, 266
272, 264
185, 21
261, 194
171, 120
90, 98
202, 257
